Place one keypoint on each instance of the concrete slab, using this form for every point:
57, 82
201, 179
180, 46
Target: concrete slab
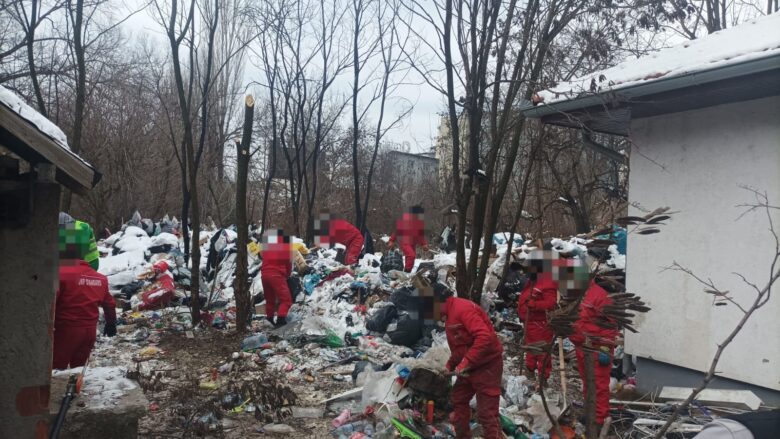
109, 405
741, 399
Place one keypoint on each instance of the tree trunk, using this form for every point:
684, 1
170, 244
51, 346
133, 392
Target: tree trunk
31, 26
358, 5
77, 18
242, 278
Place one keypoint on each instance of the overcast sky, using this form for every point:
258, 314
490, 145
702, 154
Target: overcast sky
418, 130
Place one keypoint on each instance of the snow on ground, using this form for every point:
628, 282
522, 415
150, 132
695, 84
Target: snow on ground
753, 39
103, 385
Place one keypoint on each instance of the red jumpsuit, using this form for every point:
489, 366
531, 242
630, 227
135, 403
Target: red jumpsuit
82, 290
409, 232
276, 268
587, 329
342, 232
537, 298
475, 349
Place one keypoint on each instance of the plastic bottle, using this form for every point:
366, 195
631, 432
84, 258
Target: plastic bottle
350, 428
402, 370
341, 419
507, 425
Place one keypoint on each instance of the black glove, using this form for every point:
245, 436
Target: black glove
109, 330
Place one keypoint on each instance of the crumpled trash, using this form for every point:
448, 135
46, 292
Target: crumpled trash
381, 318
516, 389
276, 429
253, 342
541, 422
307, 412
405, 331
149, 351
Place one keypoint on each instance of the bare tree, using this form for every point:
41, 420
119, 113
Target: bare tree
242, 171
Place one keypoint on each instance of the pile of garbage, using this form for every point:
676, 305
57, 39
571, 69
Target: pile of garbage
366, 335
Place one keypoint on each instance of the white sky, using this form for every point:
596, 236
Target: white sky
419, 129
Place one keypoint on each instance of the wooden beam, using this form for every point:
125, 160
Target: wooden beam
80, 174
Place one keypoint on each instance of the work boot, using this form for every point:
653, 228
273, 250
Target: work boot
270, 319
280, 321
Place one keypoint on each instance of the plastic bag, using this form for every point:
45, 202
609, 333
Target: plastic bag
406, 331
379, 321
405, 299
392, 260
515, 390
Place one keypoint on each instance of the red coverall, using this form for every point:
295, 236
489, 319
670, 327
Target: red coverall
342, 232
537, 298
409, 232
76, 314
158, 294
587, 329
476, 350
276, 268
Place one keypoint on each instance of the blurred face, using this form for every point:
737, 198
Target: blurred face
275, 236
321, 230
573, 277
541, 261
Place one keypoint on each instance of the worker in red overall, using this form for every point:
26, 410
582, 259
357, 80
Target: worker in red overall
602, 340
82, 290
476, 359
334, 231
539, 297
409, 233
276, 269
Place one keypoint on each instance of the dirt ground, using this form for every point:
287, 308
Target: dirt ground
177, 401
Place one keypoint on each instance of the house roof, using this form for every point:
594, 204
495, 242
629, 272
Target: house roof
731, 65
423, 156
37, 140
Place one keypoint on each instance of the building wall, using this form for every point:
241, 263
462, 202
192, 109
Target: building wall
415, 169
695, 163
28, 269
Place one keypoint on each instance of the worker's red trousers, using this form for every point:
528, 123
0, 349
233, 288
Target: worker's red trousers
275, 289
485, 382
535, 332
353, 250
602, 374
409, 255
72, 346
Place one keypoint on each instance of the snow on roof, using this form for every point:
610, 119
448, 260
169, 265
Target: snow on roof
44, 125
754, 39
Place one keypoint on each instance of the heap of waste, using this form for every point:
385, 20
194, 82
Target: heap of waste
365, 337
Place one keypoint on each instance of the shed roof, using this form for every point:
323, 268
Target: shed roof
36, 139
708, 71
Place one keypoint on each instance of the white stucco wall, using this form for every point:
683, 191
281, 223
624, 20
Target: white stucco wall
695, 163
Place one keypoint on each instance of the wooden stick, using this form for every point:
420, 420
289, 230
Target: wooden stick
562, 369
605, 427
561, 363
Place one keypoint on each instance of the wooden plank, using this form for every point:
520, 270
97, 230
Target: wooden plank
81, 174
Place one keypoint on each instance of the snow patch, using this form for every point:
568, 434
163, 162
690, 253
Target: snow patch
754, 39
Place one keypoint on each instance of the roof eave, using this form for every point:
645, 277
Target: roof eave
618, 97
72, 172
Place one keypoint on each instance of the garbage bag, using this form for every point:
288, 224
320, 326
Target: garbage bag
405, 331
310, 281
295, 285
379, 321
130, 289
360, 366
406, 299
392, 260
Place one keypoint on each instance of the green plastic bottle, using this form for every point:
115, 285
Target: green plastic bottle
507, 425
